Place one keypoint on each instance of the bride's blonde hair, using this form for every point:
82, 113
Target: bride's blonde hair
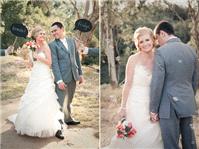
142, 31
35, 32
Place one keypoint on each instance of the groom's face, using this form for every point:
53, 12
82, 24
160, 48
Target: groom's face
57, 32
160, 39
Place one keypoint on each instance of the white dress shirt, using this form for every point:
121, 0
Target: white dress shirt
65, 43
66, 46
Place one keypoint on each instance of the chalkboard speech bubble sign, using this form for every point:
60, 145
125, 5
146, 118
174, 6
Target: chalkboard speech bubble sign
83, 25
19, 30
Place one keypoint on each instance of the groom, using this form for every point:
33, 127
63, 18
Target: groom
173, 88
66, 69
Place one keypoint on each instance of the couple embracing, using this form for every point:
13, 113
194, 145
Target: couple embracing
43, 109
159, 92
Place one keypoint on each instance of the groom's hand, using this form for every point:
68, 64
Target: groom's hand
81, 79
62, 86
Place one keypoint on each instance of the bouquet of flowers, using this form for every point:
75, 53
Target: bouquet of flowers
30, 45
125, 129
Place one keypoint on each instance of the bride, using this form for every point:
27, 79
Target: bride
135, 96
39, 112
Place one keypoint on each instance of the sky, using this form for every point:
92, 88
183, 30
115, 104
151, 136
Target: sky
179, 2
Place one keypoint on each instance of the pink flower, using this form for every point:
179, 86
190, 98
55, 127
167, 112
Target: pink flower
125, 129
31, 45
130, 125
120, 127
120, 136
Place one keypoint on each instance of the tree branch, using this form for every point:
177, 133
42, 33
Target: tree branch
171, 7
74, 3
87, 5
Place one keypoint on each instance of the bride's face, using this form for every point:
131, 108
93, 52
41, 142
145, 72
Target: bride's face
145, 43
40, 36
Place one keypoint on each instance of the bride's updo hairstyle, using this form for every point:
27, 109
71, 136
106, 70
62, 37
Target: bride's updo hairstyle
36, 31
140, 32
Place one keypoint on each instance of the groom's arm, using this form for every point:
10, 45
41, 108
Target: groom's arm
195, 76
78, 63
55, 64
157, 82
78, 60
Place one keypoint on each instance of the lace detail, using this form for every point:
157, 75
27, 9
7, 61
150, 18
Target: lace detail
142, 76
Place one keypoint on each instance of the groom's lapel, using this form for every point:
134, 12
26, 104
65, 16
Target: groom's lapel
69, 45
60, 44
70, 49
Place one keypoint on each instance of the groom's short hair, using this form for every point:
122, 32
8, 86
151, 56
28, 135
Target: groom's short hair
164, 26
59, 24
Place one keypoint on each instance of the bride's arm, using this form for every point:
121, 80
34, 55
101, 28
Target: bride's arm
128, 80
48, 59
29, 61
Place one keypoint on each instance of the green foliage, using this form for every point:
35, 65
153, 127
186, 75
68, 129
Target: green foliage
12, 12
21, 12
89, 60
183, 31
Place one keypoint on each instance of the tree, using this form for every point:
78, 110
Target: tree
107, 39
12, 12
25, 12
180, 15
193, 7
91, 13
116, 25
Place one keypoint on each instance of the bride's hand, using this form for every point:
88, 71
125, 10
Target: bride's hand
35, 55
122, 112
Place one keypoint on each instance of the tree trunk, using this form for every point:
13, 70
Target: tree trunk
108, 42
111, 58
194, 14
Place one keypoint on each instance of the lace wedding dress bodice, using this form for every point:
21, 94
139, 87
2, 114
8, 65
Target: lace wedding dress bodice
141, 84
39, 64
142, 77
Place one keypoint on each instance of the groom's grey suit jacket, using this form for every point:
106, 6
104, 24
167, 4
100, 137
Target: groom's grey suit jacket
65, 62
174, 80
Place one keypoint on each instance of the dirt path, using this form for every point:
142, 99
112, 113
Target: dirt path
74, 137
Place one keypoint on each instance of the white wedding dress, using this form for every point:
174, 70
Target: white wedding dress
148, 134
38, 113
